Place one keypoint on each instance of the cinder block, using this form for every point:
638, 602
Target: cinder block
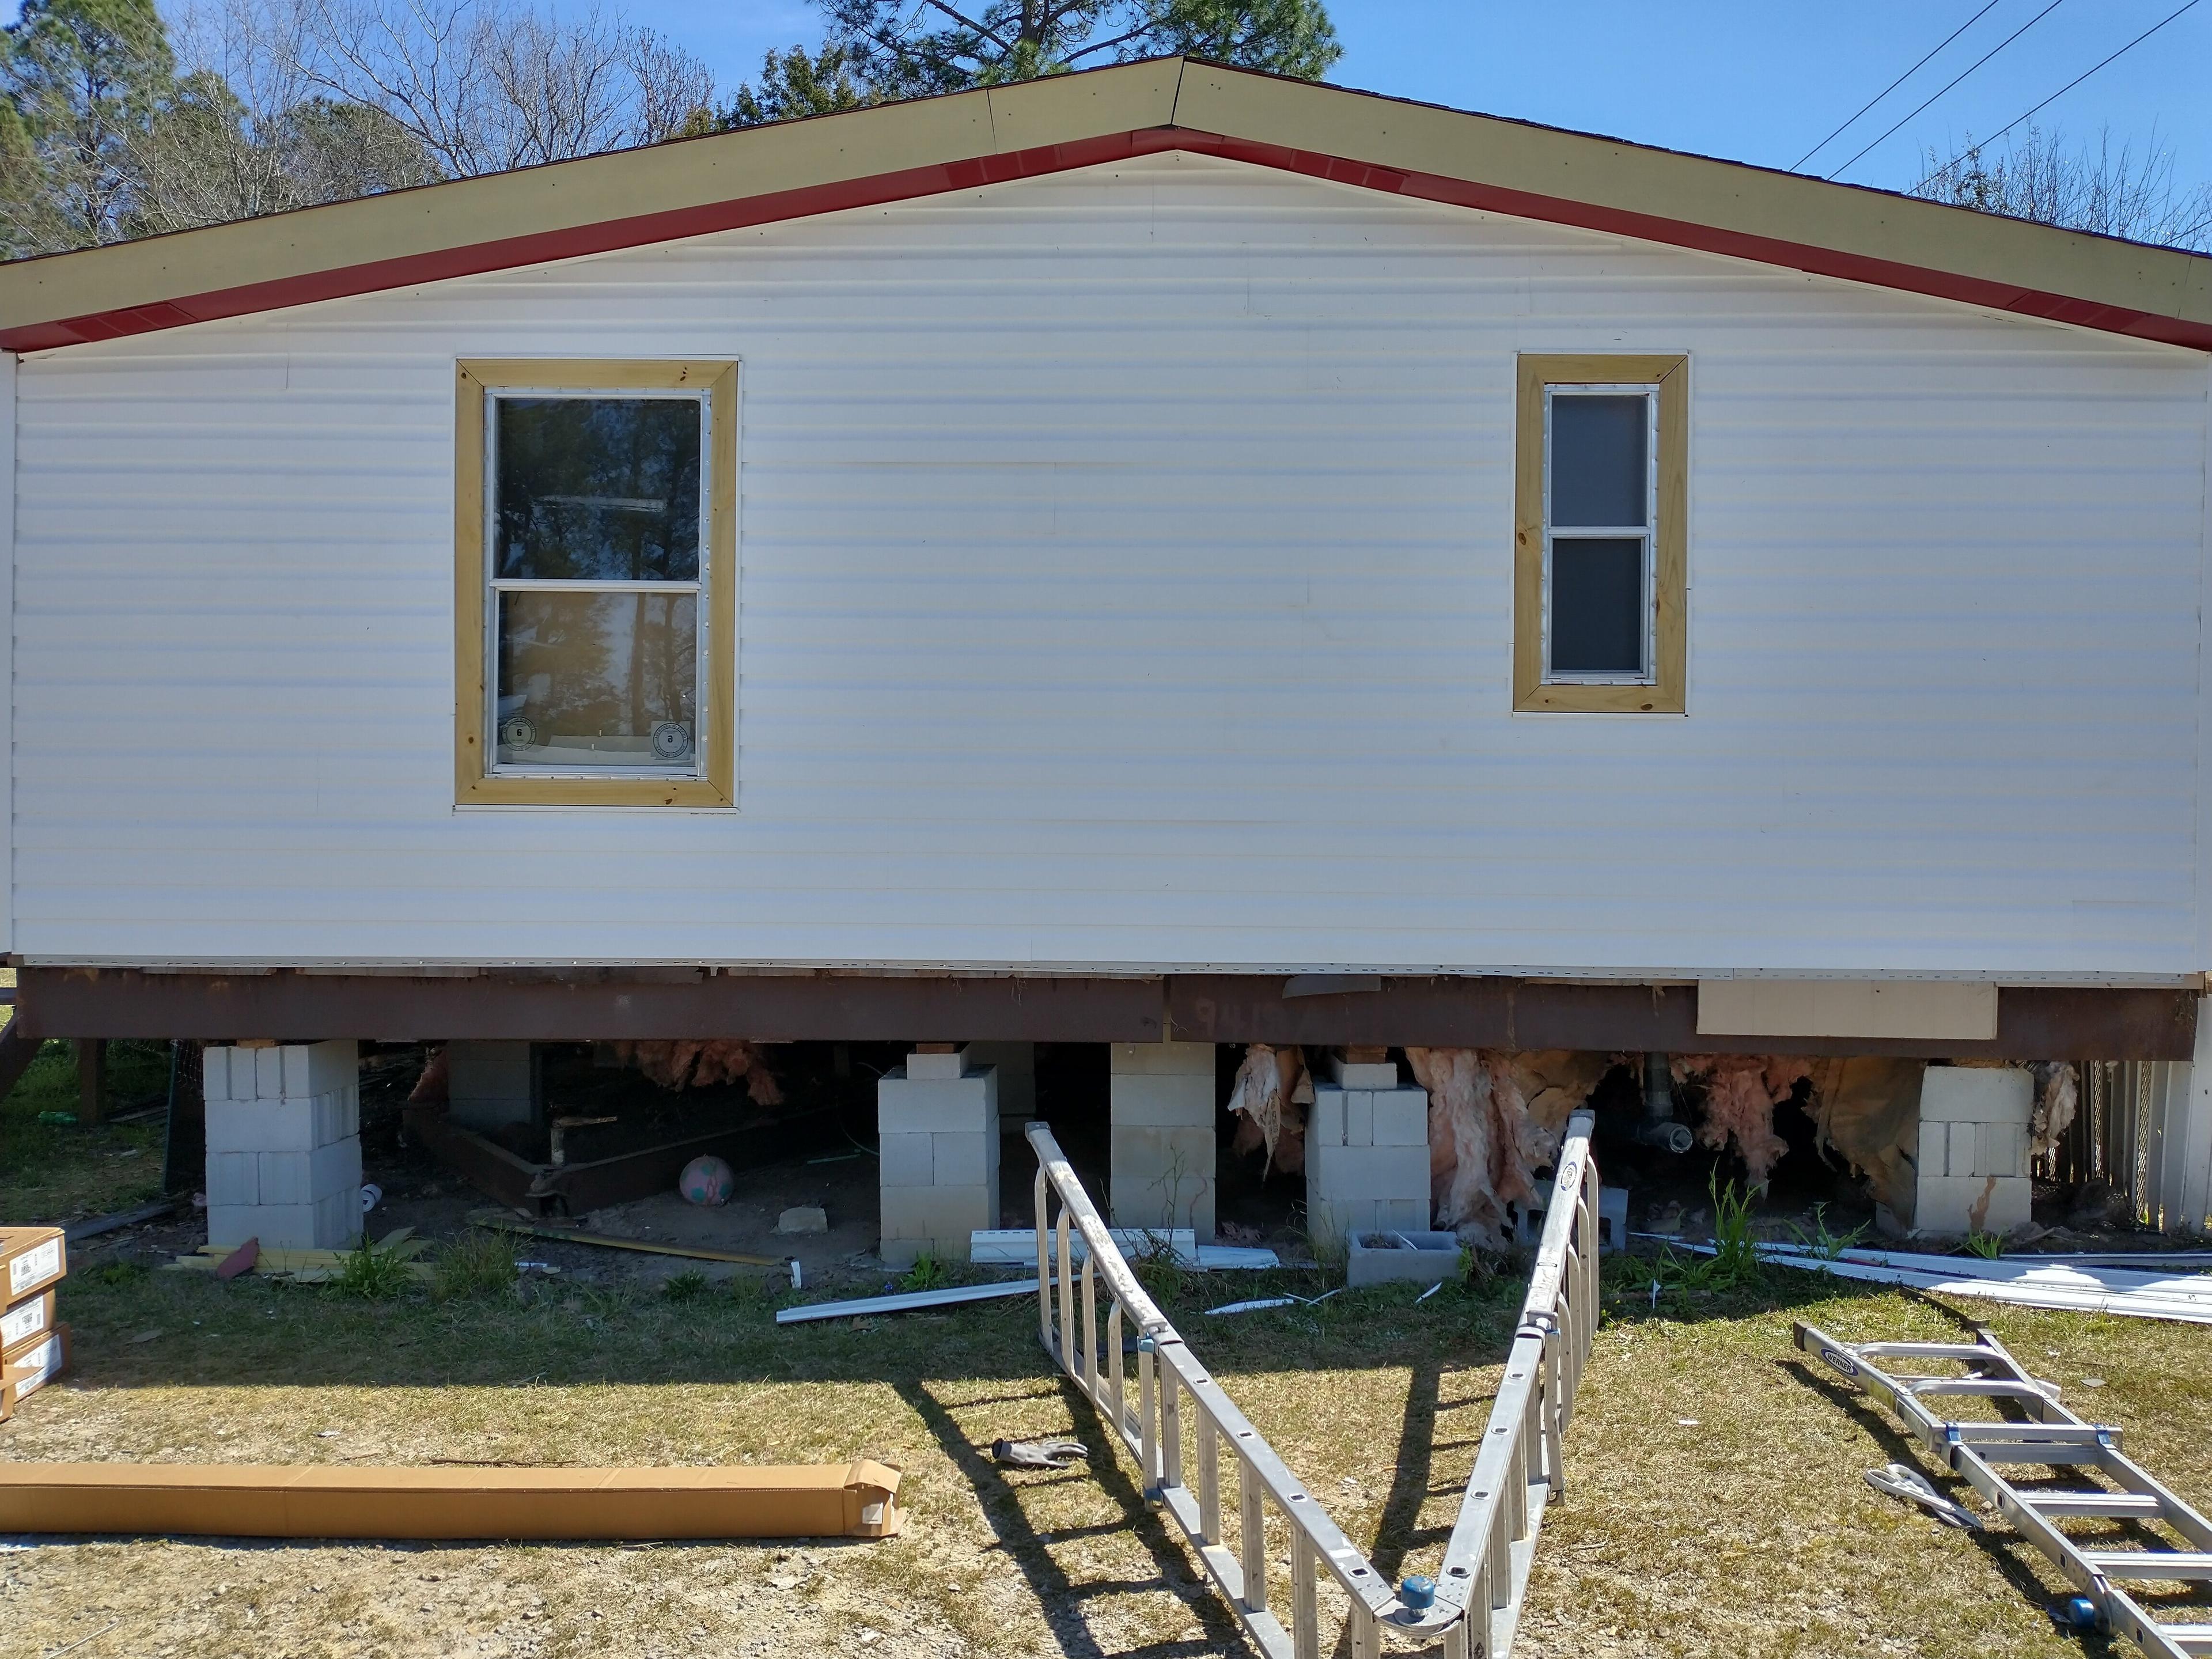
1952, 1205
1017, 1064
310, 1177
233, 1179
1999, 1149
278, 1226
907, 1160
261, 1126
938, 1220
1401, 1117
1359, 1117
937, 1068
489, 1083
1325, 1122
1363, 1074
1161, 1100
337, 1114
338, 1221
908, 1105
1367, 1172
1404, 1212
1977, 1094
215, 1073
1163, 1177
318, 1068
965, 1160
268, 1072
1161, 1059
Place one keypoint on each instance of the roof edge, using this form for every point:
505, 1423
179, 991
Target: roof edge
963, 140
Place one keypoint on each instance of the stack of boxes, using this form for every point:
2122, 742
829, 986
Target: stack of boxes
283, 1145
1972, 1170
34, 1348
937, 1126
1367, 1151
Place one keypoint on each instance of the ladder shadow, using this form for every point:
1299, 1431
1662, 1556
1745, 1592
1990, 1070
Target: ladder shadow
1059, 1595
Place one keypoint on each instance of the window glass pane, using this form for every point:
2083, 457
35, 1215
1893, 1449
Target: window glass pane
597, 680
1597, 607
1598, 461
597, 489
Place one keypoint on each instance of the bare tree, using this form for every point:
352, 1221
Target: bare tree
2039, 176
486, 85
244, 132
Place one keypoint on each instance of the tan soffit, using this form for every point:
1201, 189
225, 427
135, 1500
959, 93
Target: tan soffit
969, 140
1934, 1010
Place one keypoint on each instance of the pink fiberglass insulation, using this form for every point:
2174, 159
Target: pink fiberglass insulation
1741, 1091
699, 1063
1272, 1091
2057, 1092
1485, 1147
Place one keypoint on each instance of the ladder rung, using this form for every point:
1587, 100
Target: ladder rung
2059, 1453
2190, 1639
2092, 1503
2150, 1564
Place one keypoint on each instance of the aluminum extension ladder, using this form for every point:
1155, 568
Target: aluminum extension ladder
2054, 1437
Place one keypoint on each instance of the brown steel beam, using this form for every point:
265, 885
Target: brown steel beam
556, 1006
2034, 1022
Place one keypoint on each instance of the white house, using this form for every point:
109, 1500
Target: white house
1164, 554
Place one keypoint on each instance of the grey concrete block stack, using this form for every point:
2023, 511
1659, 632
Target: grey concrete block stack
283, 1145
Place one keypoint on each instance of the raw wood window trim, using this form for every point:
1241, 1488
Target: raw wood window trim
474, 783
1670, 573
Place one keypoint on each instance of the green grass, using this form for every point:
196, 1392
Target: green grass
57, 1172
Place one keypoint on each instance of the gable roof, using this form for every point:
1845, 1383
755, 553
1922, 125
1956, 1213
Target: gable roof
897, 151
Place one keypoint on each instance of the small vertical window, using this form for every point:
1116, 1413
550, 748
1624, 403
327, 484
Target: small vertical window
1599, 564
595, 523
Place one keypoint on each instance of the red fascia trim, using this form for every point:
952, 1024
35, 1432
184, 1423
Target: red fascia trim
906, 183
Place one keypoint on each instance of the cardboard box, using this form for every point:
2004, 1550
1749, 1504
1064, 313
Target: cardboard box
855, 1500
33, 1316
30, 1258
44, 1361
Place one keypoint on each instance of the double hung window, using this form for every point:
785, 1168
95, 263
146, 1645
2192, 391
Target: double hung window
595, 527
1599, 510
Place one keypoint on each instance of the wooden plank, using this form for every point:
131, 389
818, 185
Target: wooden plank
854, 1500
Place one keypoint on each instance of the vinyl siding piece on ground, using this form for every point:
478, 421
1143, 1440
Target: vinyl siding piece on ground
1086, 523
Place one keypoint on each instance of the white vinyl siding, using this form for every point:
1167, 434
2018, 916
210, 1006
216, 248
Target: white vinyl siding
1126, 581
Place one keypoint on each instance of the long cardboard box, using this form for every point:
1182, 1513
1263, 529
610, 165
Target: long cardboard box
39, 1365
858, 1500
26, 1319
30, 1258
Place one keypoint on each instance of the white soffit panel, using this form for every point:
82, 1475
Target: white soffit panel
1937, 1011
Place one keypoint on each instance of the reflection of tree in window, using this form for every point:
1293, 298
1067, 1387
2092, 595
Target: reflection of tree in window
598, 489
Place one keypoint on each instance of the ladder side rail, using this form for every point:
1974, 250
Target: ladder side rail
1517, 1465
1171, 1382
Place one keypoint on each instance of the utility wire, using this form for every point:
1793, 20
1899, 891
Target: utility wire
2054, 97
1953, 81
1894, 85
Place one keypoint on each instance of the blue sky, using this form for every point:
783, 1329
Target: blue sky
1757, 82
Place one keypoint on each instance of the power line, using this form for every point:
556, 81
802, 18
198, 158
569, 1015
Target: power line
1953, 81
2054, 97
1894, 85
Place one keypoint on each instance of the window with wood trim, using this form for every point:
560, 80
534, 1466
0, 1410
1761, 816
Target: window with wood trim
1600, 531
595, 605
